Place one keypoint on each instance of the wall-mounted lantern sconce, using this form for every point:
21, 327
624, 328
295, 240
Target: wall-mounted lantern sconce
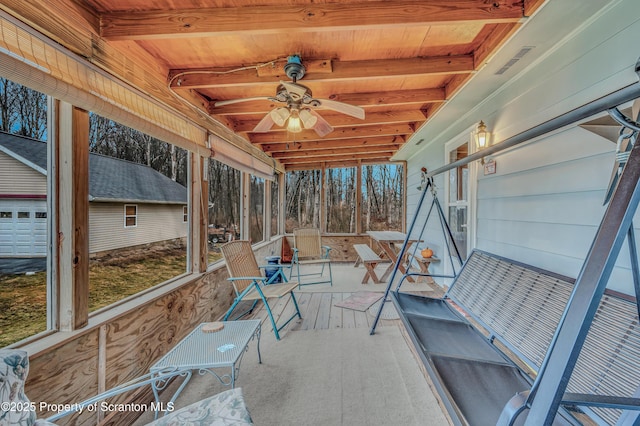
482, 136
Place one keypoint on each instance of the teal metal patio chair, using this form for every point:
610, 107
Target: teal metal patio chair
250, 284
308, 250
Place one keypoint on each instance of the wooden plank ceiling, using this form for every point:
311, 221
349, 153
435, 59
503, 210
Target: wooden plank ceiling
398, 60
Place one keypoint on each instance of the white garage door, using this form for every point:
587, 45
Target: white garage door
23, 228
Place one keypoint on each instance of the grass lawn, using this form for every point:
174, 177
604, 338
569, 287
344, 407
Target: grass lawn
23, 298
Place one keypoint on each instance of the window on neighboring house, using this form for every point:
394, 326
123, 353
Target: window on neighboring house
24, 215
130, 216
6, 215
149, 177
185, 214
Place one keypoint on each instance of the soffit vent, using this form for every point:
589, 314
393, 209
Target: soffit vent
515, 59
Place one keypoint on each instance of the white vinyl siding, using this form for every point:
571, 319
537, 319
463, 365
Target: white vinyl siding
17, 178
156, 222
546, 200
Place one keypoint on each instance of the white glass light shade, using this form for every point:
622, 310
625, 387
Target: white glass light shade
482, 136
308, 119
294, 126
280, 115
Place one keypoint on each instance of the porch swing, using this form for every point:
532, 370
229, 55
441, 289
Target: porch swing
562, 331
427, 187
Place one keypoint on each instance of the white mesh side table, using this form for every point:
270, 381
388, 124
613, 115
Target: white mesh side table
208, 352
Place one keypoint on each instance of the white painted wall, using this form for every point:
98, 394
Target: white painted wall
544, 204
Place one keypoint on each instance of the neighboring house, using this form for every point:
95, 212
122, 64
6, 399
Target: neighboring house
130, 204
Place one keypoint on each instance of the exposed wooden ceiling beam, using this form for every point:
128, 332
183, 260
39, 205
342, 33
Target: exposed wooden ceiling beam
342, 70
342, 120
382, 156
282, 156
338, 164
370, 99
301, 18
339, 133
337, 143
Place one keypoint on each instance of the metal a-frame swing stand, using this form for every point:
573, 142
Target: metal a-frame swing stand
616, 226
427, 187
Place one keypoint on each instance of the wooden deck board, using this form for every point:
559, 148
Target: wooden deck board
318, 312
335, 316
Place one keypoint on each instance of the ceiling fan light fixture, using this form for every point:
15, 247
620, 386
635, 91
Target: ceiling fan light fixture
308, 119
294, 125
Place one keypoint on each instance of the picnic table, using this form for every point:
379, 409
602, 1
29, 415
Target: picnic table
390, 242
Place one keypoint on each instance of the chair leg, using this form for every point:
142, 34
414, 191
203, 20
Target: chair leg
236, 302
268, 308
295, 303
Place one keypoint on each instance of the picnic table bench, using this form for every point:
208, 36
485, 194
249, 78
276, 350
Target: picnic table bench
369, 259
483, 343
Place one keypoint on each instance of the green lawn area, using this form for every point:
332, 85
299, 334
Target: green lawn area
23, 298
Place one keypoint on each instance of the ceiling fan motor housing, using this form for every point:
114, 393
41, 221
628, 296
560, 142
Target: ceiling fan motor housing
294, 68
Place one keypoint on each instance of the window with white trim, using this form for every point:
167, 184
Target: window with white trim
130, 215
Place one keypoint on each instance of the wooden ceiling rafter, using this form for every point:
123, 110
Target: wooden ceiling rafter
366, 100
341, 120
401, 129
204, 22
349, 71
335, 164
314, 155
383, 156
363, 143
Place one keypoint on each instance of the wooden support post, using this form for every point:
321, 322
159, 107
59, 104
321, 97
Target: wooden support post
281, 203
266, 211
359, 198
245, 189
71, 137
198, 210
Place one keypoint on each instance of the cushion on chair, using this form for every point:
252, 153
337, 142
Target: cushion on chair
14, 367
225, 408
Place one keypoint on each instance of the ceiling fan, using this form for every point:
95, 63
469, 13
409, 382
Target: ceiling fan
299, 110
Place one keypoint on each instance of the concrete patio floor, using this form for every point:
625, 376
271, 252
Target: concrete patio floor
327, 369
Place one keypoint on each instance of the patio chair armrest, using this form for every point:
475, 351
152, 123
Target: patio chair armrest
246, 278
136, 383
326, 249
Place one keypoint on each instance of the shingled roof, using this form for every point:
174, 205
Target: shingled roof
110, 179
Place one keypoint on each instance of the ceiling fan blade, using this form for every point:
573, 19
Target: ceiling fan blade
264, 125
352, 110
296, 91
322, 127
235, 101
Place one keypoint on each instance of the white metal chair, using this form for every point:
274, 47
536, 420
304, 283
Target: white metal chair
308, 250
227, 407
249, 283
